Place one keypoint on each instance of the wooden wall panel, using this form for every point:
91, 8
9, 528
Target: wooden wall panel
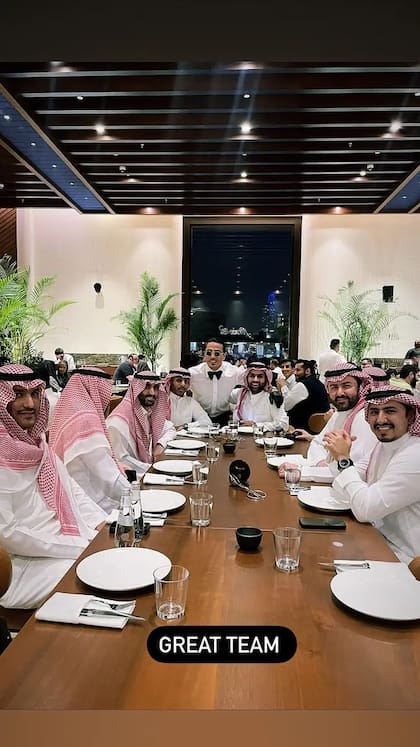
8, 232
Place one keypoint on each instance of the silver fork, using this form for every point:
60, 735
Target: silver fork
86, 612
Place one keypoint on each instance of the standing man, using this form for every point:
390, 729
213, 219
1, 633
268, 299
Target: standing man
46, 520
184, 408
213, 380
389, 496
79, 436
329, 360
60, 355
307, 397
255, 403
138, 428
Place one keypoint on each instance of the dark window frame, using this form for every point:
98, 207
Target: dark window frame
191, 222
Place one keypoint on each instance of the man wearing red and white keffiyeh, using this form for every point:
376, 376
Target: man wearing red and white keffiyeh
138, 428
45, 518
253, 401
78, 434
390, 495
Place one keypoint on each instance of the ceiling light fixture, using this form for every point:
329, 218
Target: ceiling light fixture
100, 129
246, 128
80, 98
244, 174
6, 116
363, 172
247, 96
395, 125
33, 144
370, 167
122, 169
244, 155
54, 165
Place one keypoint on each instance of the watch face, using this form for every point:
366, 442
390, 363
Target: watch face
343, 463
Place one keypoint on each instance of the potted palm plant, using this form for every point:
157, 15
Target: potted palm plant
359, 318
149, 321
25, 312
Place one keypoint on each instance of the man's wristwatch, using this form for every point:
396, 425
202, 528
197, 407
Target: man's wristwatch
344, 463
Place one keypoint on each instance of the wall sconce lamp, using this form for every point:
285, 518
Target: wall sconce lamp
97, 287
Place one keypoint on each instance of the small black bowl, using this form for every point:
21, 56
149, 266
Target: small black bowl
229, 447
248, 538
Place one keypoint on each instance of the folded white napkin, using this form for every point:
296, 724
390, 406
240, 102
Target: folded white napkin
316, 474
154, 521
162, 480
66, 608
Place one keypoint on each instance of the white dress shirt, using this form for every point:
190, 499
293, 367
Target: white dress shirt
186, 410
31, 533
328, 361
390, 498
213, 394
259, 409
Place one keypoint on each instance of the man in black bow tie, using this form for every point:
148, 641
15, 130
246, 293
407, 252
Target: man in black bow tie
212, 381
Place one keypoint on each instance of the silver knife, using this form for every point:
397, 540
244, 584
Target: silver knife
87, 612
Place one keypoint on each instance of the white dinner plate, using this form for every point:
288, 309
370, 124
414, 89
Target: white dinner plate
161, 500
388, 591
321, 499
198, 429
174, 466
284, 443
121, 569
246, 429
276, 461
185, 443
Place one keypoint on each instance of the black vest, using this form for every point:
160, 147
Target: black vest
316, 402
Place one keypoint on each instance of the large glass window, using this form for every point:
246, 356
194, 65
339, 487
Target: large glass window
241, 283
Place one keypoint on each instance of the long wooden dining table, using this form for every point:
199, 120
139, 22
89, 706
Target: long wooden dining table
342, 661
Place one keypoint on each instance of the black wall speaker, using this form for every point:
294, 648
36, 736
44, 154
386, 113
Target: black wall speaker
388, 293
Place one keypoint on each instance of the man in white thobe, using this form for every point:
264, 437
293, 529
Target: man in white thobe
256, 403
184, 408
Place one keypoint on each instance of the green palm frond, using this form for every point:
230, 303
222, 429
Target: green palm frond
360, 319
148, 323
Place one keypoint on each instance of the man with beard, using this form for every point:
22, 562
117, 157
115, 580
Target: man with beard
184, 409
347, 387
46, 520
307, 397
389, 496
138, 428
255, 403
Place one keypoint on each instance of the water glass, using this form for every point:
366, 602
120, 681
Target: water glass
200, 472
212, 452
233, 431
258, 432
270, 446
214, 430
171, 585
201, 505
286, 548
292, 478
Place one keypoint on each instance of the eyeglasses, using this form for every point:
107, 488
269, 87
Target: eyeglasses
214, 352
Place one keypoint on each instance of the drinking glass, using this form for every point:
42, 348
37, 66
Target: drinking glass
233, 431
200, 472
212, 452
171, 584
201, 505
286, 548
258, 432
270, 446
292, 477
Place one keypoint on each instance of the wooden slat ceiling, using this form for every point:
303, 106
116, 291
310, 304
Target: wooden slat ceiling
322, 138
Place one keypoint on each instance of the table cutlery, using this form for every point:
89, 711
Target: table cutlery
345, 563
88, 612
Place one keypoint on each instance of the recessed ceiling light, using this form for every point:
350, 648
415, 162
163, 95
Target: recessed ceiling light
6, 116
370, 166
404, 197
122, 168
242, 209
1, 186
141, 145
85, 198
244, 174
244, 154
100, 129
417, 93
115, 154
377, 152
33, 144
80, 98
363, 172
54, 165
245, 128
247, 96
71, 184
395, 125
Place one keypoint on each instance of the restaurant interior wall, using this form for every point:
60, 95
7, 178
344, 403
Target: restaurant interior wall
372, 250
81, 250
